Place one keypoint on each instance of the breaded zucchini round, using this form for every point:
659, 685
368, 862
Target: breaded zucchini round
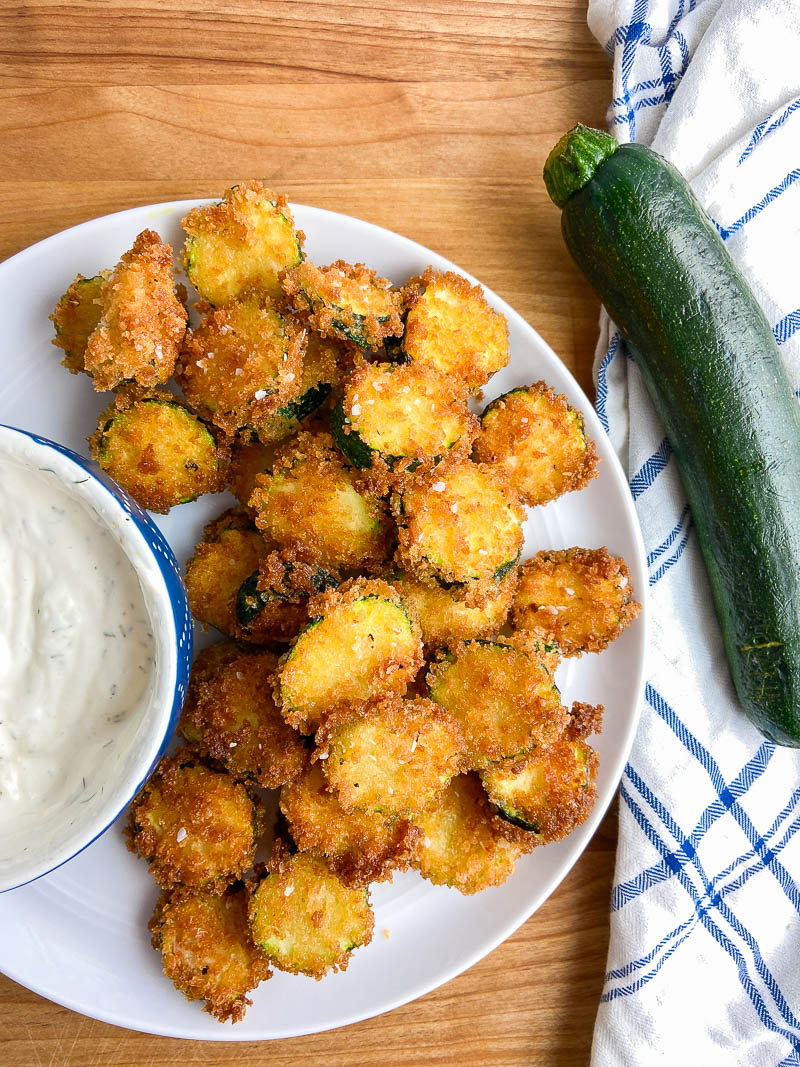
272, 603
311, 499
502, 693
401, 416
321, 372
243, 242
230, 551
345, 301
445, 619
540, 442
451, 328
206, 949
249, 458
305, 919
75, 316
461, 525
363, 641
549, 792
197, 826
462, 845
242, 363
230, 715
143, 322
361, 847
580, 599
158, 450
392, 757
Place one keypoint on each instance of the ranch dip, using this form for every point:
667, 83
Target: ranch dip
77, 664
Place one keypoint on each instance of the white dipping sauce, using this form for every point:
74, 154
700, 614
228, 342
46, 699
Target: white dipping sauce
77, 664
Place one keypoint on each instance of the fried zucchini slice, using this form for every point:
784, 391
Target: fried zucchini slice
311, 499
305, 919
451, 328
548, 792
75, 316
363, 641
401, 416
206, 949
230, 715
243, 242
272, 602
502, 694
242, 362
230, 551
445, 619
196, 825
249, 458
321, 372
462, 845
360, 846
393, 757
580, 599
158, 450
540, 442
461, 525
143, 322
345, 301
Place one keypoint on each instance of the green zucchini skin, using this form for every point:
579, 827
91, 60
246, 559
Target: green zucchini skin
712, 367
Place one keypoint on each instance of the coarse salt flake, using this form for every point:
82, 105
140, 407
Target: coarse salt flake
454, 508
238, 371
438, 487
260, 394
355, 409
289, 890
181, 834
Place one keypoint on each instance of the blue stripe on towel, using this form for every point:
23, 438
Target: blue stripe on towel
650, 469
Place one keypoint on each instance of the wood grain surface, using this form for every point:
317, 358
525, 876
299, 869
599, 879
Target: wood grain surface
432, 118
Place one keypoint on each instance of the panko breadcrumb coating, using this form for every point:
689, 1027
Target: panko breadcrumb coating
580, 599
142, 324
539, 441
241, 243
460, 525
206, 949
157, 450
451, 328
345, 301
463, 845
392, 757
272, 603
502, 693
363, 641
75, 316
196, 825
313, 499
242, 363
229, 553
230, 715
249, 458
322, 370
361, 847
304, 918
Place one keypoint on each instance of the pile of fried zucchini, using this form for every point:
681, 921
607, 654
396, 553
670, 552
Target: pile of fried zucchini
363, 586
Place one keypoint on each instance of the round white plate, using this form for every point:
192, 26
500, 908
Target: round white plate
79, 936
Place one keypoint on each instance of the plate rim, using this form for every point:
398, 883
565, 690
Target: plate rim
588, 829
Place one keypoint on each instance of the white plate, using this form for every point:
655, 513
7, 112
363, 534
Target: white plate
79, 936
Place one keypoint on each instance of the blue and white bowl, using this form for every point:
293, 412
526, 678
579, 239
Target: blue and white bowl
67, 831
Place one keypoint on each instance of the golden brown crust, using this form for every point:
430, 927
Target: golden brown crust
538, 439
143, 322
578, 598
196, 825
344, 300
249, 458
393, 756
75, 316
313, 499
360, 847
584, 720
159, 468
230, 715
206, 949
242, 363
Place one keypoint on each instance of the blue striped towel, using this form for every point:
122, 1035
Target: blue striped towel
704, 959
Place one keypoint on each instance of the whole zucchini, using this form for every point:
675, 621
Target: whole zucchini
711, 365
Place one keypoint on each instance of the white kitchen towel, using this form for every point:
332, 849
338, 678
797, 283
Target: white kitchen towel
704, 959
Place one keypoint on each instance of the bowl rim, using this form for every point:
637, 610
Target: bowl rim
165, 599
